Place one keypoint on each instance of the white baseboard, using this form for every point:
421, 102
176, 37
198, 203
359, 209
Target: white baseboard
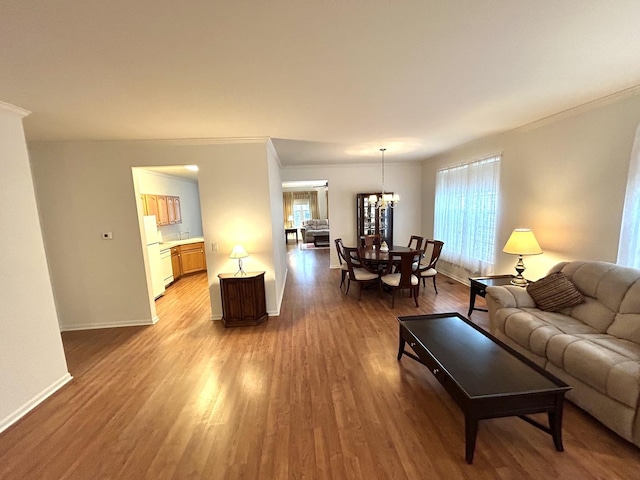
34, 402
95, 326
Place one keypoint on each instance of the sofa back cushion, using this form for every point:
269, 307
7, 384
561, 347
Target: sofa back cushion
609, 290
315, 224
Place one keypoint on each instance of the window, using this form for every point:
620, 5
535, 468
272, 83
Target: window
301, 212
466, 210
629, 246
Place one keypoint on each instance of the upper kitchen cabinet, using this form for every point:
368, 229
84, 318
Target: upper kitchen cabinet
166, 208
150, 203
163, 212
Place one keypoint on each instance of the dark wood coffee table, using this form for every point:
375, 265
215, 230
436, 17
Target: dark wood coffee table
321, 240
485, 377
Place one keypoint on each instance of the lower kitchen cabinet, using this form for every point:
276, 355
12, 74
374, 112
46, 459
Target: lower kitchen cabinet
175, 263
243, 299
192, 258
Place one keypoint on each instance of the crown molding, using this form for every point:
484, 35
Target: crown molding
7, 107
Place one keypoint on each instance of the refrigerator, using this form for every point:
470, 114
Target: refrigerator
152, 236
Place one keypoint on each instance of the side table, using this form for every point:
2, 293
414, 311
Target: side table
243, 299
479, 287
290, 231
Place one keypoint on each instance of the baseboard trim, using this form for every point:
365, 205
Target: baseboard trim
96, 326
34, 402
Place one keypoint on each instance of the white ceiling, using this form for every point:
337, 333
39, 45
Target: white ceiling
329, 81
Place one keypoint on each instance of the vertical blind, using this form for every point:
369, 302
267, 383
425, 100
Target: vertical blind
629, 246
466, 211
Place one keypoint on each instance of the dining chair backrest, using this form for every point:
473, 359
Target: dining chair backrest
340, 249
351, 258
432, 251
403, 262
415, 242
370, 240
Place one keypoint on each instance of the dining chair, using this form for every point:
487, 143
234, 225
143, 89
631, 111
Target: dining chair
343, 263
427, 266
415, 242
357, 270
403, 277
370, 240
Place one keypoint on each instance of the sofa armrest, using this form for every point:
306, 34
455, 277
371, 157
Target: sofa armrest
508, 296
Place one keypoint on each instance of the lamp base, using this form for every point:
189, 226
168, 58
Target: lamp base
240, 271
519, 280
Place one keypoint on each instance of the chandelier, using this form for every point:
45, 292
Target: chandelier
386, 199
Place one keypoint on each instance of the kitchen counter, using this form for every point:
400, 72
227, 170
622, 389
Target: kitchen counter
175, 243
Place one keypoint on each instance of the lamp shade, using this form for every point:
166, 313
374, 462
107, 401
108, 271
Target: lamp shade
238, 252
290, 218
522, 242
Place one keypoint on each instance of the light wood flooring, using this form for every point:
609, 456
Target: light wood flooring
314, 393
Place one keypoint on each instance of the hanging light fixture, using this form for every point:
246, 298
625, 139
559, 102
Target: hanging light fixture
386, 199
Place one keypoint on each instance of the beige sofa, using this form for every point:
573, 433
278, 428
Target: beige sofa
311, 228
593, 346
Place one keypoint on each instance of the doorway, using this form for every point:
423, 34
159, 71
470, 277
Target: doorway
168, 207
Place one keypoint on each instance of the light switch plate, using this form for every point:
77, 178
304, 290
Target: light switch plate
107, 236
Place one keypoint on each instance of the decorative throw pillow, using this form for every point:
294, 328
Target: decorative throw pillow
554, 292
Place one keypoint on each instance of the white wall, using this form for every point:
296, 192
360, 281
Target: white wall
150, 182
235, 198
564, 177
346, 181
86, 188
278, 238
32, 359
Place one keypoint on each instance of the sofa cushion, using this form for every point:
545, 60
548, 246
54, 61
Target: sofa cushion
554, 292
615, 289
626, 326
532, 328
608, 364
627, 323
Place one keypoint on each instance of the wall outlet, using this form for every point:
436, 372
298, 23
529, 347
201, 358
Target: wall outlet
107, 236
214, 247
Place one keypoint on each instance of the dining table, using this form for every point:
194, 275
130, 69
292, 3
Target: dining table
374, 256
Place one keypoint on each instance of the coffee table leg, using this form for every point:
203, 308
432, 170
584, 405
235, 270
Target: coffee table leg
555, 424
401, 345
470, 432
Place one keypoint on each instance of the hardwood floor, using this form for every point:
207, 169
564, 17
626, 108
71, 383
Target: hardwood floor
314, 393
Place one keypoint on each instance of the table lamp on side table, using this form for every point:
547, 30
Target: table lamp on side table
521, 242
239, 252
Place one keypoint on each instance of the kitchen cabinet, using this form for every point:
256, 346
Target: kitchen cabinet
177, 210
372, 220
192, 258
163, 214
171, 210
150, 203
166, 208
243, 299
175, 263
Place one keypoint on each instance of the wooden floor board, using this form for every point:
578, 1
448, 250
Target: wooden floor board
314, 393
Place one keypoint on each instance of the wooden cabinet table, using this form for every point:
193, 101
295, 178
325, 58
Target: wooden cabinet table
243, 299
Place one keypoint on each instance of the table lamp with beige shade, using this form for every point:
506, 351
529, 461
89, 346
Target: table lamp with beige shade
239, 253
521, 242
